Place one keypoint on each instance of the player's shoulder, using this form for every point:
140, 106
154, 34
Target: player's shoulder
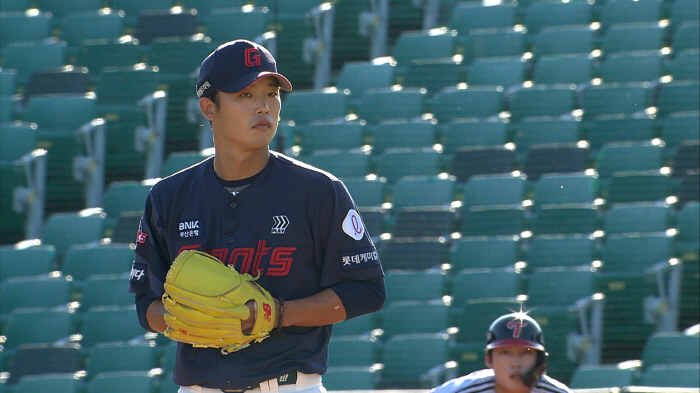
300, 168
481, 381
184, 178
550, 385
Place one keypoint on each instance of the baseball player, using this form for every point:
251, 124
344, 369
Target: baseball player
516, 360
291, 229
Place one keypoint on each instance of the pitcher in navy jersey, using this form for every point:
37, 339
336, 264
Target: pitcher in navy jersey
294, 226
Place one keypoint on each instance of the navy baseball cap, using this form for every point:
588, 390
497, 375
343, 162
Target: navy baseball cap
234, 66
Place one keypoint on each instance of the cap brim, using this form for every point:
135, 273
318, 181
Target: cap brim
515, 342
245, 82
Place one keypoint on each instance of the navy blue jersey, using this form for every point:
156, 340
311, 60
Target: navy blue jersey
295, 226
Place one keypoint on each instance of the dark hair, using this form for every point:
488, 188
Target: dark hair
214, 97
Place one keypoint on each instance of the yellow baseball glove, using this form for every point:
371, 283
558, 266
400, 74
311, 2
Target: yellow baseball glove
205, 302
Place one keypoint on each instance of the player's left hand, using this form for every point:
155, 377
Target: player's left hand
208, 304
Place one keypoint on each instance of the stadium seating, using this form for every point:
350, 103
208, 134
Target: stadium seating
555, 158
87, 226
540, 14
432, 75
18, 27
116, 381
358, 77
83, 26
110, 324
26, 261
602, 376
636, 217
383, 104
686, 36
331, 135
80, 263
497, 189
343, 164
44, 360
35, 291
358, 351
681, 96
619, 128
493, 220
423, 221
685, 65
544, 130
124, 196
506, 72
105, 290
669, 348
60, 383
472, 133
615, 98
564, 188
403, 370
117, 357
492, 42
414, 286
565, 40
341, 378
473, 102
622, 11
467, 16
485, 283
394, 164
400, 318
633, 37
483, 252
410, 191
672, 376
223, 23
557, 69
401, 134
481, 160
569, 219
26, 58
27, 327
412, 253
539, 100
567, 251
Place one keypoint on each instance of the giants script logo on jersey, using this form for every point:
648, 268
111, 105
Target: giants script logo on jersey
280, 225
352, 225
517, 327
262, 260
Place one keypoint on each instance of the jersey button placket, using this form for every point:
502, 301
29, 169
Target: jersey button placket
233, 205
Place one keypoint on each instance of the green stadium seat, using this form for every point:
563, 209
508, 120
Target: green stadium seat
333, 136
360, 76
124, 196
473, 102
563, 188
205, 7
619, 128
86, 226
366, 192
542, 100
467, 16
114, 357
633, 37
26, 261
636, 217
615, 98
60, 383
412, 45
564, 40
566, 219
28, 326
110, 324
89, 25
672, 376
18, 27
414, 286
191, 49
681, 96
492, 42
624, 67
689, 188
500, 71
412, 253
628, 156
26, 58
359, 351
686, 65
626, 11
393, 164
401, 134
101, 54
472, 133
602, 376
669, 348
105, 290
481, 160
558, 69
60, 9
470, 284
8, 82
221, 24
678, 128
16, 140
15, 5
540, 14
555, 158
66, 80
120, 381
400, 318
351, 377
497, 189
565, 251
483, 252
403, 370
389, 104
686, 36
637, 186
423, 221
433, 75
342, 164
80, 260
296, 104
179, 160
35, 291
494, 220
44, 360
530, 131
688, 227
410, 191
683, 10
152, 25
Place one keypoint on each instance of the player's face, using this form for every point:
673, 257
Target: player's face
509, 364
248, 119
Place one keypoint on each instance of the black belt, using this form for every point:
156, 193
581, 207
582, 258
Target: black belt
285, 379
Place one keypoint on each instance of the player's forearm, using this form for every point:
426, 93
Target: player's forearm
155, 314
323, 308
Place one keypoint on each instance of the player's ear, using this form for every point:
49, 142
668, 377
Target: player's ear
208, 108
488, 360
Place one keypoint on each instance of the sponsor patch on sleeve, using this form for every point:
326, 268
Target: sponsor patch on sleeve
353, 226
138, 273
359, 258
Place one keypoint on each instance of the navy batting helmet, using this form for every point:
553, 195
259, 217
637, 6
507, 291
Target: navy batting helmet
515, 330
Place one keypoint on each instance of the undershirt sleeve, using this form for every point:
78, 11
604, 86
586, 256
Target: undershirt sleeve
361, 297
